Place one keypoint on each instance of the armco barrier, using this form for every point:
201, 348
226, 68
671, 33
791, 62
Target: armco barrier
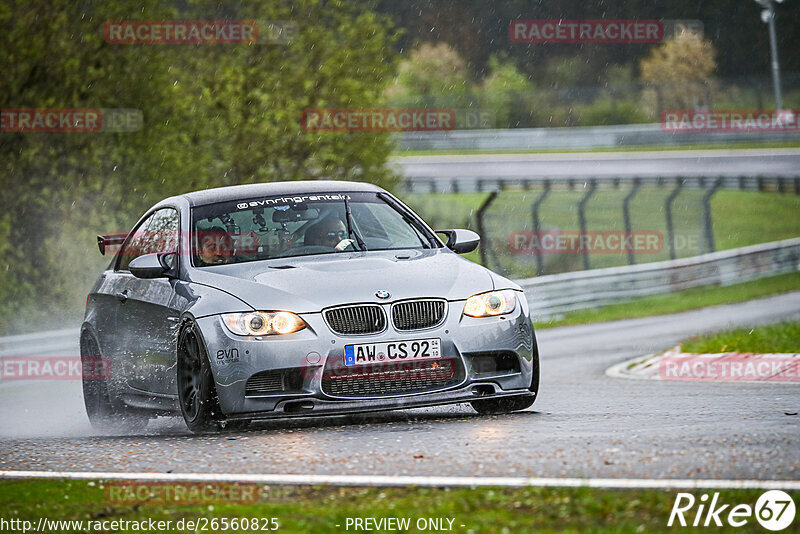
554, 294
558, 293
575, 138
53, 343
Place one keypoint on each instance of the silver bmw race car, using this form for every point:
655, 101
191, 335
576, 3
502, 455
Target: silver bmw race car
299, 299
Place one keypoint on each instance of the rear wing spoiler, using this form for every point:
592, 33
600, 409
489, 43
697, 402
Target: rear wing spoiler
109, 240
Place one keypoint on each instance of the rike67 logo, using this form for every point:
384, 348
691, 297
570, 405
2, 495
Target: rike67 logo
774, 510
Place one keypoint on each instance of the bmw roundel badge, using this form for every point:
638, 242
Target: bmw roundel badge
382, 294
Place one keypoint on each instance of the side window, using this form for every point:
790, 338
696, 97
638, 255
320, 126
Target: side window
157, 233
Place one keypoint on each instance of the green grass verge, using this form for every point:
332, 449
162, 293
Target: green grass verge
320, 509
729, 146
744, 218
776, 338
690, 299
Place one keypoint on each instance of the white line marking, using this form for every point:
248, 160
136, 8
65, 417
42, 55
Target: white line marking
370, 480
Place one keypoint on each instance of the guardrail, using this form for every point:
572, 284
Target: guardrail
53, 343
579, 137
558, 293
482, 184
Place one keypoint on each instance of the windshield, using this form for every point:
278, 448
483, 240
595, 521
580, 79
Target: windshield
288, 226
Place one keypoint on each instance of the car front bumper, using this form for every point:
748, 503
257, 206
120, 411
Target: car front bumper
314, 352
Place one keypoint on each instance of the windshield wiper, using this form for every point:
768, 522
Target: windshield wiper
351, 229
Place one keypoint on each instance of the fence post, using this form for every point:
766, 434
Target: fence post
582, 219
668, 209
481, 229
626, 215
537, 227
708, 223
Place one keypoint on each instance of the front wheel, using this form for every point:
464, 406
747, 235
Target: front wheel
197, 393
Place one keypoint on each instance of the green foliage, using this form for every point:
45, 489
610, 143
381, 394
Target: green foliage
435, 76
564, 72
492, 510
213, 115
681, 71
609, 110
502, 89
479, 30
431, 70
255, 96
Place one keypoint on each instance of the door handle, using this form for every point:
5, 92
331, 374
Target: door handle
123, 296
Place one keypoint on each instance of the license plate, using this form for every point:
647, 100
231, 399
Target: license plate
394, 351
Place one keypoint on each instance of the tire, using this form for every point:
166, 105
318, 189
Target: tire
515, 403
102, 413
197, 393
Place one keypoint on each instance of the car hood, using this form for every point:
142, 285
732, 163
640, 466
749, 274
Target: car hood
309, 284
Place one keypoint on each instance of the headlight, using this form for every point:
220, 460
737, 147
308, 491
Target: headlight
263, 323
491, 304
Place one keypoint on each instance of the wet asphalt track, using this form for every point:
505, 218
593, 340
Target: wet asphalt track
584, 424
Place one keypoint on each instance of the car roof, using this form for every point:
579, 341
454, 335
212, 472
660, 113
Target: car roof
301, 187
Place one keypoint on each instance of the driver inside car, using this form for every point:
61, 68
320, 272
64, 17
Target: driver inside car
330, 232
215, 246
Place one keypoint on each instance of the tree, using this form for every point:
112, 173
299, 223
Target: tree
680, 73
213, 115
433, 72
504, 90
55, 57
254, 96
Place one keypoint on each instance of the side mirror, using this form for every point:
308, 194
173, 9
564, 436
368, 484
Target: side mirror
150, 265
461, 241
